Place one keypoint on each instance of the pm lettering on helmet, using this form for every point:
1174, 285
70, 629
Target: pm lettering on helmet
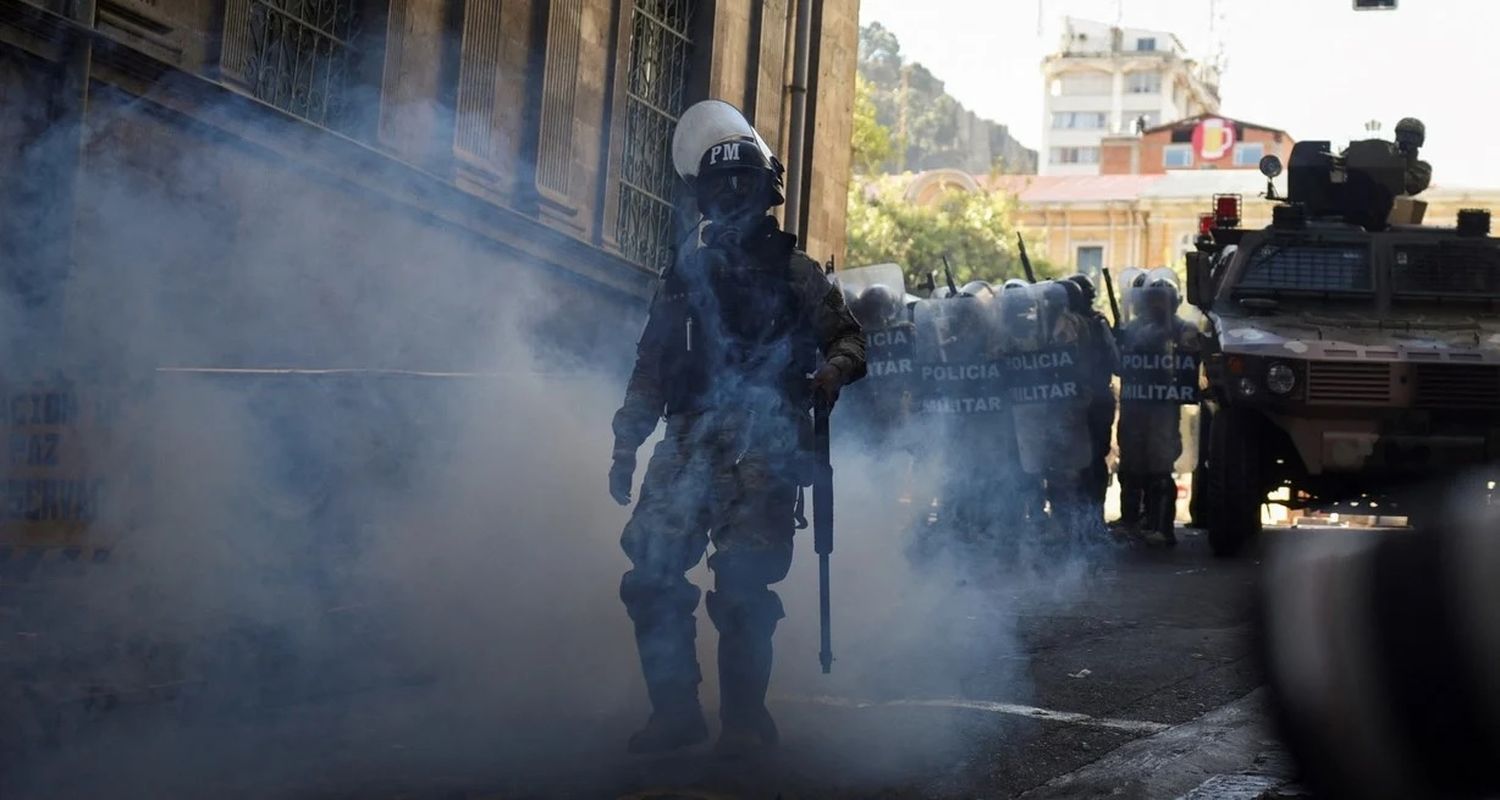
729, 151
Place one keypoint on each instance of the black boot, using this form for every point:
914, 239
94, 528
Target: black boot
676, 721
1131, 500
665, 634
745, 626
1161, 508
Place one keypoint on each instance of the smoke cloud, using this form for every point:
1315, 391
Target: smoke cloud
355, 465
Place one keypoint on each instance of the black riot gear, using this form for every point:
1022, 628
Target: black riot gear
725, 194
1086, 285
733, 335
1076, 302
727, 307
877, 307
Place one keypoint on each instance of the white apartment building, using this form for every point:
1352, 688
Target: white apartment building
1106, 80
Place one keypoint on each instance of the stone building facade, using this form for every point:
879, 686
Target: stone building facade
295, 200
534, 132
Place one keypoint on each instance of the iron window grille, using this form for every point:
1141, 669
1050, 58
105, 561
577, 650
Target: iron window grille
660, 53
301, 56
1320, 269
1460, 270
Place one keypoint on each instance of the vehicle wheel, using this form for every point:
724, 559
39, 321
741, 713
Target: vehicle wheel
1198, 505
1236, 481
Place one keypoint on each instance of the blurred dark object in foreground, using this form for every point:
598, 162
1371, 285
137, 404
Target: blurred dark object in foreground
1383, 654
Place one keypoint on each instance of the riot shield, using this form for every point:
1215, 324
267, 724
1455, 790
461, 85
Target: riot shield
859, 279
877, 406
957, 374
1043, 362
1154, 366
1128, 296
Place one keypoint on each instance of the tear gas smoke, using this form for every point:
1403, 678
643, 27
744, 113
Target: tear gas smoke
350, 583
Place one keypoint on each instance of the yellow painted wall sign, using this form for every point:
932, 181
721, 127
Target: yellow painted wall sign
48, 493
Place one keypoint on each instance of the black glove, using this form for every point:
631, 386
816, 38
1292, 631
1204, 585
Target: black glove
621, 475
827, 381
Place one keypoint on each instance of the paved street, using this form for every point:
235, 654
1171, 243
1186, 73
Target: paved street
1146, 686
1132, 676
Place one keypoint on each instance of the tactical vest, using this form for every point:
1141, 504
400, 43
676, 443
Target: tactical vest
734, 326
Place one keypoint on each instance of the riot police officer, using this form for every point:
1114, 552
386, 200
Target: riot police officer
1131, 280
1159, 374
732, 337
877, 410
965, 422
1045, 368
1103, 362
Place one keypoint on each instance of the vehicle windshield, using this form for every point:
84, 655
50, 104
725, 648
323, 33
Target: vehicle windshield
1282, 269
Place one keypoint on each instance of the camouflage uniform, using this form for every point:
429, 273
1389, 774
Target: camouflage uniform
727, 469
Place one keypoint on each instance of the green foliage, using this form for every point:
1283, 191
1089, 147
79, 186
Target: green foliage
903, 118
872, 141
929, 128
976, 231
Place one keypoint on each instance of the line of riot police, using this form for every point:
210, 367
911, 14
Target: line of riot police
1013, 392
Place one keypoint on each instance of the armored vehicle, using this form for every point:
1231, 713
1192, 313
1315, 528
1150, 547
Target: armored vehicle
1351, 352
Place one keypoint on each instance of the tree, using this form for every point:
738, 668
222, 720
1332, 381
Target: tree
872, 141
975, 230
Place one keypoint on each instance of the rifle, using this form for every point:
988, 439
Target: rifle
823, 523
948, 272
931, 283
1025, 261
1109, 286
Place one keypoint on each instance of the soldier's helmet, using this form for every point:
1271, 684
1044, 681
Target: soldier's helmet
730, 168
941, 292
1086, 285
977, 289
1410, 132
878, 306
1076, 298
1014, 283
1160, 299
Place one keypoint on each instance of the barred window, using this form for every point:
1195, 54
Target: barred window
660, 53
1457, 270
1316, 268
301, 55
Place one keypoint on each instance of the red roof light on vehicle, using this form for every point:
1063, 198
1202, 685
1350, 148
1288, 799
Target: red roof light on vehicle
1227, 210
1205, 224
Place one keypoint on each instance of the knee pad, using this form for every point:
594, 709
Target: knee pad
745, 610
650, 598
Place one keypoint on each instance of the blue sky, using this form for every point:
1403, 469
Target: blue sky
1316, 68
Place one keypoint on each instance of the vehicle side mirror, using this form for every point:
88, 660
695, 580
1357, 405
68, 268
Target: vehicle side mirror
1200, 289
